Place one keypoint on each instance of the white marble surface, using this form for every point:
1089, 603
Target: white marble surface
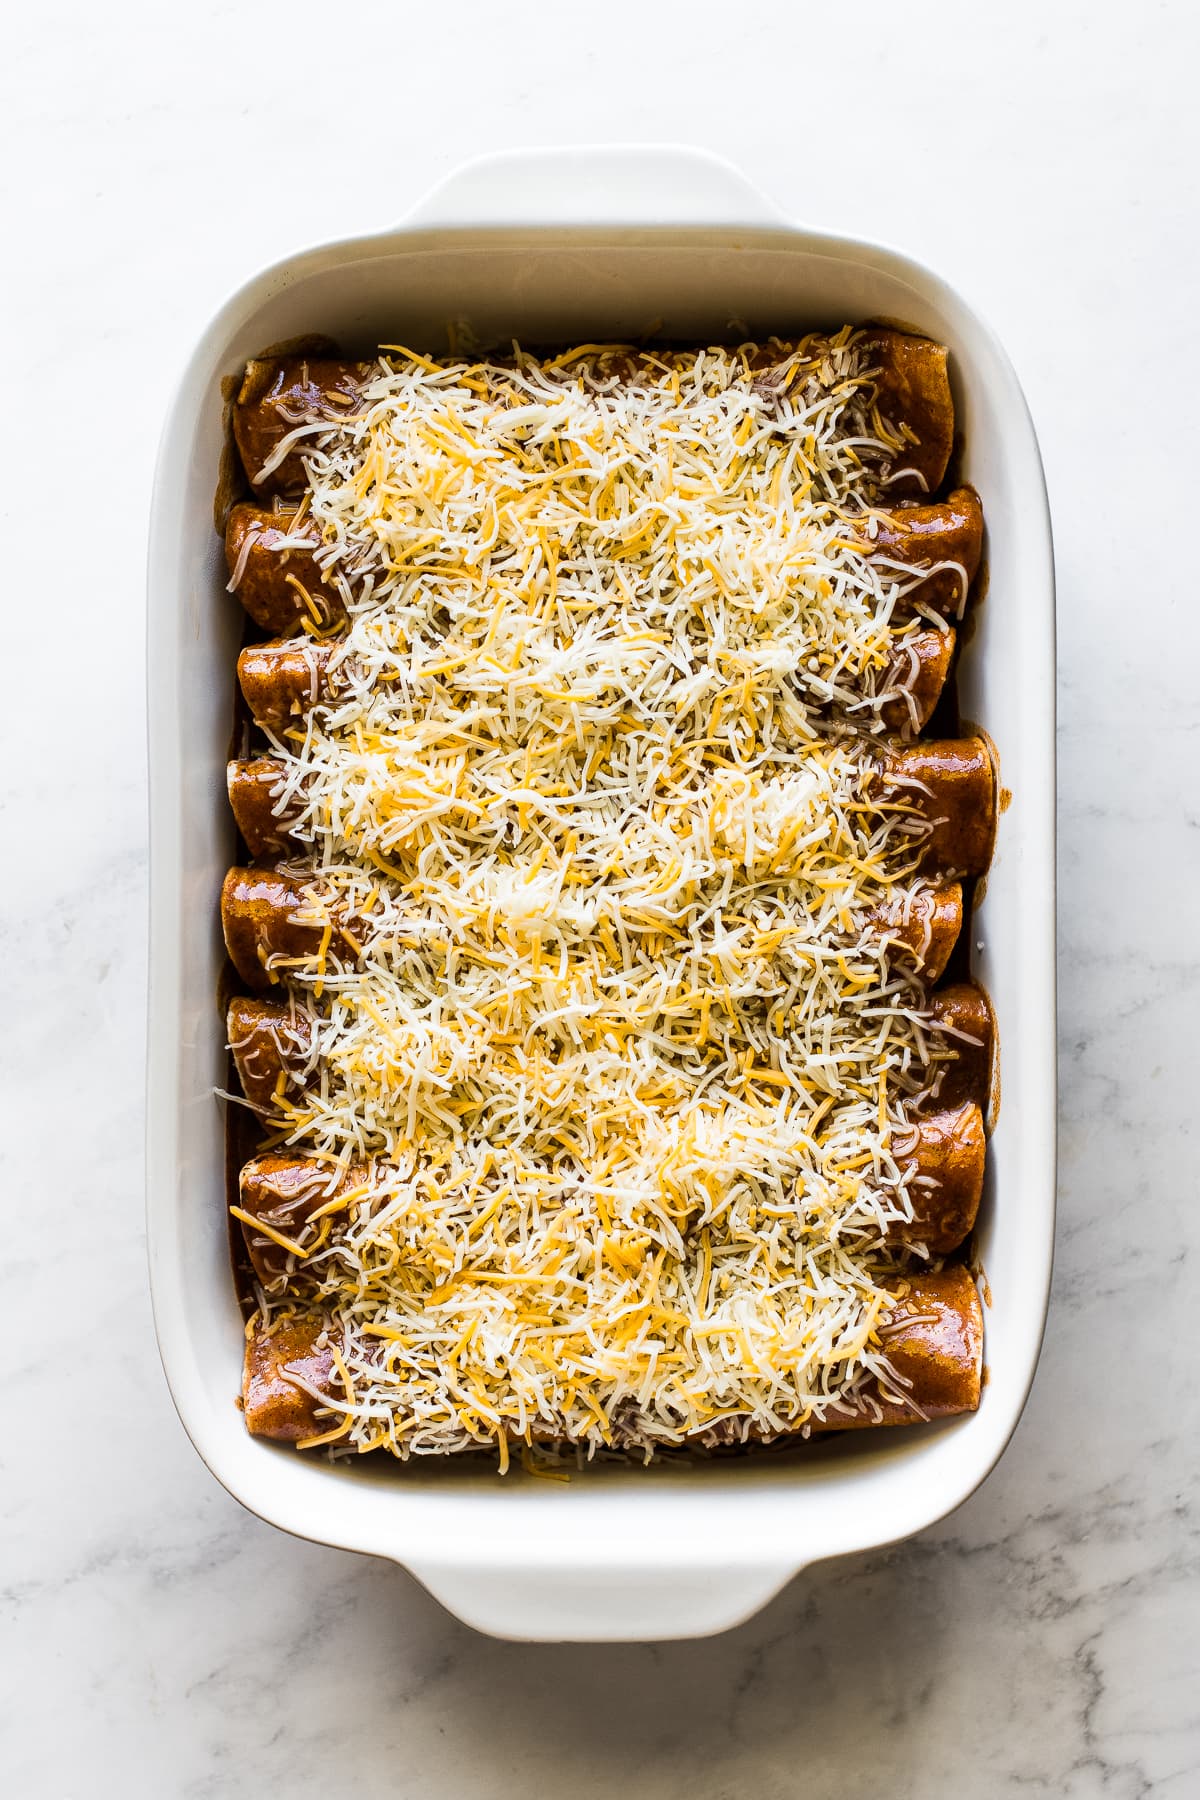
157, 1640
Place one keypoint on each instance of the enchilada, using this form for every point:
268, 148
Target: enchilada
294, 1391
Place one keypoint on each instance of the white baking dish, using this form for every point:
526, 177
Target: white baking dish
564, 247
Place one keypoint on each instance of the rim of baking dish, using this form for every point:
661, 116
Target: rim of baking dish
571, 1567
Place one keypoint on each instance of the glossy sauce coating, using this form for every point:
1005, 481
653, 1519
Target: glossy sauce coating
274, 1405
934, 1341
912, 390
281, 586
284, 1192
950, 784
262, 821
924, 930
282, 680
945, 531
275, 396
278, 582
921, 667
270, 1041
259, 916
949, 1156
964, 1010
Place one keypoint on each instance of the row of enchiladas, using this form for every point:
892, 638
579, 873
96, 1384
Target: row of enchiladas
604, 998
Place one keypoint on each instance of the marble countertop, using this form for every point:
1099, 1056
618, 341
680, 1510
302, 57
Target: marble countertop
160, 1642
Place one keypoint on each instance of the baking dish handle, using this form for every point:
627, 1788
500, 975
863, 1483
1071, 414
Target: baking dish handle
590, 185
570, 1605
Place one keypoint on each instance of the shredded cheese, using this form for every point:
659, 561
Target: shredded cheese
589, 833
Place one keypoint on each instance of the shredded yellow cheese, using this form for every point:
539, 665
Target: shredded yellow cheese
589, 834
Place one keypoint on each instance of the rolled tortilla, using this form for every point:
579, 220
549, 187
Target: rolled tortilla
947, 1161
279, 393
279, 1193
281, 681
945, 538
278, 1196
269, 924
933, 1339
961, 1016
280, 1372
263, 819
912, 396
907, 395
915, 679
273, 571
949, 787
271, 1041
920, 927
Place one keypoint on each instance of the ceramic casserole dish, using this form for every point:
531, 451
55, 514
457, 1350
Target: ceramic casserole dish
566, 247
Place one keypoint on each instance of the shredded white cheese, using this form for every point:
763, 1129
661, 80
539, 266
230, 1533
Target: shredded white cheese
590, 823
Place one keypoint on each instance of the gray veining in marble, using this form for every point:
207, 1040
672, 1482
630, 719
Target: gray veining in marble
158, 1641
